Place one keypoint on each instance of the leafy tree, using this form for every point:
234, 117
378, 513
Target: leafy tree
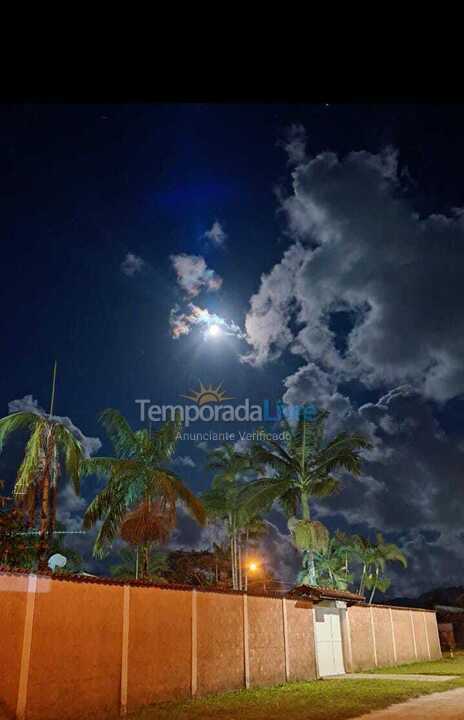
138, 481
51, 452
200, 568
296, 471
223, 501
127, 567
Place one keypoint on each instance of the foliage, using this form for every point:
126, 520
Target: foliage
332, 564
51, 451
203, 567
126, 568
299, 469
374, 557
223, 501
135, 477
309, 535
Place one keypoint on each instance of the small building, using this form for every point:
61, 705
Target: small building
450, 626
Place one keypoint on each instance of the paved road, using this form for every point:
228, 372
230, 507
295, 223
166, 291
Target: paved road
448, 705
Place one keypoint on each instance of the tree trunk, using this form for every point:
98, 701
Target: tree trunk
145, 561
361, 584
44, 520
310, 555
137, 563
246, 559
375, 586
232, 559
239, 562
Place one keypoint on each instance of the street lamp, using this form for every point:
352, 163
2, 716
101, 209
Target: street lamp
251, 568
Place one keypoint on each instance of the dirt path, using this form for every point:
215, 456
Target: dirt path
448, 705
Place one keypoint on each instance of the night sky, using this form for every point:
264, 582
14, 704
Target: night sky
329, 241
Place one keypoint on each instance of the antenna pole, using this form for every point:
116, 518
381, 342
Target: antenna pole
52, 399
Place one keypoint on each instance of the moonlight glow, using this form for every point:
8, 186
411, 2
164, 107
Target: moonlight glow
214, 331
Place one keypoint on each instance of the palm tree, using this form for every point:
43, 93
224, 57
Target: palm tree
139, 482
51, 452
150, 522
332, 564
128, 565
374, 557
299, 469
223, 501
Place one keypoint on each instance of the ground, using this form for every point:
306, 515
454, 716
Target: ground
318, 700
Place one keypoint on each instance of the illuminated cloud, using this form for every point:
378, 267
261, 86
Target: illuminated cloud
181, 323
193, 275
91, 445
216, 234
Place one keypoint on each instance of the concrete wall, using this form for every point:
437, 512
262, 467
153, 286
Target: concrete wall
382, 636
73, 649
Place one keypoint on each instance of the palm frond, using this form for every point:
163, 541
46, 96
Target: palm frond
261, 494
165, 439
192, 504
30, 466
120, 433
73, 453
16, 421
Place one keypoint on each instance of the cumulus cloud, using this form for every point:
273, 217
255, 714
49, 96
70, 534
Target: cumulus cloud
132, 264
361, 249
411, 488
216, 234
193, 275
182, 323
91, 445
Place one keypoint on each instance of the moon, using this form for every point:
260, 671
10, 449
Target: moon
214, 330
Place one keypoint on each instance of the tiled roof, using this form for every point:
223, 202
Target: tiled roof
322, 593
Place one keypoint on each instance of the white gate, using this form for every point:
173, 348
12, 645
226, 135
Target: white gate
328, 637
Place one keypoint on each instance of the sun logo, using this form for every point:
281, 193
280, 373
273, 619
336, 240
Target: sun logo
208, 395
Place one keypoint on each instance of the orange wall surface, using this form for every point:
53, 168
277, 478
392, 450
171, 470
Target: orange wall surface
362, 646
76, 650
301, 650
76, 661
160, 645
403, 636
221, 664
432, 632
266, 638
383, 636
12, 614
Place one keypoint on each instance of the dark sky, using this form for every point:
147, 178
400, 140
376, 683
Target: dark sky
343, 222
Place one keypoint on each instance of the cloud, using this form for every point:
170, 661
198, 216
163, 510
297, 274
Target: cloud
295, 144
216, 234
411, 488
90, 445
193, 275
181, 323
184, 461
360, 250
132, 264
